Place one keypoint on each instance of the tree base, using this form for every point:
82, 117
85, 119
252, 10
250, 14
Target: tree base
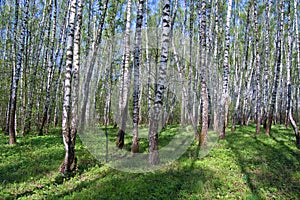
63, 170
154, 158
120, 139
135, 147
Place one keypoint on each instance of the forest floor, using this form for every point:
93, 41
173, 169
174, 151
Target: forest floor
243, 166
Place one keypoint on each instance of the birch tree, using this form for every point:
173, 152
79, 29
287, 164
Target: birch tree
137, 68
258, 68
51, 68
266, 62
16, 76
69, 162
225, 94
277, 67
203, 67
75, 73
160, 85
297, 46
123, 100
289, 113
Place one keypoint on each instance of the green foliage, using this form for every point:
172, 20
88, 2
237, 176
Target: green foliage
243, 166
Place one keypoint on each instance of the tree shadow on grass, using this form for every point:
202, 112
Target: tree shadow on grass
170, 184
269, 166
33, 157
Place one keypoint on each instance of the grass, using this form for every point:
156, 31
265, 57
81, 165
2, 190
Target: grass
243, 166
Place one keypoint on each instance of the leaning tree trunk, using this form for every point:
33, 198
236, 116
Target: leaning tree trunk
89, 64
158, 101
277, 70
289, 85
69, 162
137, 68
225, 95
16, 78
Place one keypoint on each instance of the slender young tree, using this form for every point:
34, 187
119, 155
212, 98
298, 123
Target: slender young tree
277, 65
15, 45
244, 68
75, 73
69, 162
160, 85
258, 68
89, 64
51, 68
215, 64
203, 67
137, 68
289, 113
124, 87
16, 77
225, 95
297, 46
266, 63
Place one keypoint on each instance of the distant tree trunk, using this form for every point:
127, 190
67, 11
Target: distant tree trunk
8, 121
297, 46
183, 98
57, 85
51, 69
33, 79
160, 85
225, 98
258, 73
89, 64
266, 64
244, 68
289, 112
123, 100
137, 68
16, 77
69, 162
278, 64
147, 62
215, 63
203, 69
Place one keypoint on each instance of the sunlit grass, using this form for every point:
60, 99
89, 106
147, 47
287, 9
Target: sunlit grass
243, 166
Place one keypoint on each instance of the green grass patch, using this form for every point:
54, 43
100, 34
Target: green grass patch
243, 166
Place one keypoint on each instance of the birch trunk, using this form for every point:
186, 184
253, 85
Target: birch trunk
266, 64
137, 68
89, 64
158, 101
277, 69
75, 73
203, 69
69, 162
258, 76
289, 84
123, 100
297, 46
16, 77
225, 96
51, 69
